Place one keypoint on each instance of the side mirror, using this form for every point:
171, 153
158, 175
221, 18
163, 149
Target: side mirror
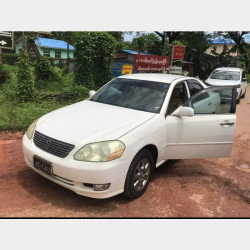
244, 79
183, 111
91, 93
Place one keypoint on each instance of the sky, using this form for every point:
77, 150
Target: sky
128, 37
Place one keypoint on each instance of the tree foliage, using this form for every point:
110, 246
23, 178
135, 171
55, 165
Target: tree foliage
25, 83
240, 45
148, 42
93, 58
44, 70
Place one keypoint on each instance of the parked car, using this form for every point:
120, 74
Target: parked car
229, 76
112, 142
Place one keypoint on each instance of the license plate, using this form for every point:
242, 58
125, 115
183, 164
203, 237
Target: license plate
43, 165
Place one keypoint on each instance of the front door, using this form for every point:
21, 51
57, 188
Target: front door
207, 134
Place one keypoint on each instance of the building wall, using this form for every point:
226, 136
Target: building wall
52, 52
18, 46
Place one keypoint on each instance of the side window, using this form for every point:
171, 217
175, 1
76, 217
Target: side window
194, 87
178, 97
213, 101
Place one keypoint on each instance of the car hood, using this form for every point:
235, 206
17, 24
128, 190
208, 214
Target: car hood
218, 82
89, 121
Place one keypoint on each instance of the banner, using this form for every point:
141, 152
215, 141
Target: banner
127, 69
178, 52
151, 63
175, 70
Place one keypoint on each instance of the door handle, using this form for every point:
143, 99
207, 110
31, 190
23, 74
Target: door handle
227, 123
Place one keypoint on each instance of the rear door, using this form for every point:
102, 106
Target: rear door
207, 134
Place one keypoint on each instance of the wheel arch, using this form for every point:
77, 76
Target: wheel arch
153, 150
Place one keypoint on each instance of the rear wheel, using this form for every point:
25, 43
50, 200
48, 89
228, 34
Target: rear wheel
138, 174
244, 94
238, 100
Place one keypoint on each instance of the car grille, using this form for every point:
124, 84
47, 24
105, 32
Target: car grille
52, 146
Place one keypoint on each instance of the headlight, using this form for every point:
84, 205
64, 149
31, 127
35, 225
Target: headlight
31, 129
100, 151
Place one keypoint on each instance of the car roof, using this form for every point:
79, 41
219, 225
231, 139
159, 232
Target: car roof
157, 77
229, 69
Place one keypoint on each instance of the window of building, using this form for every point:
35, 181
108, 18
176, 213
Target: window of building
46, 53
58, 54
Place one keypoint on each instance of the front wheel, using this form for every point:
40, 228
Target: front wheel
138, 174
244, 94
238, 100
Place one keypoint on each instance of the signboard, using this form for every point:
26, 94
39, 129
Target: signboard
175, 70
127, 69
178, 52
6, 39
151, 63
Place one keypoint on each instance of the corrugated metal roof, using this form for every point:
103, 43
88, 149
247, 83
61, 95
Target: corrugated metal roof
52, 43
133, 52
223, 40
247, 38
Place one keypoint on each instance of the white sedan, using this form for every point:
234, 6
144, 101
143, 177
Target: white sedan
229, 76
112, 142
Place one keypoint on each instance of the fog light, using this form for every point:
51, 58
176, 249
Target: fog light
101, 187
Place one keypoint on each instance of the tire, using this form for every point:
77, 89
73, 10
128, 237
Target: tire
238, 100
244, 94
138, 175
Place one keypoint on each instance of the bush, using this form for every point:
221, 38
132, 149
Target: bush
44, 70
25, 76
9, 87
248, 77
10, 58
3, 75
14, 118
6, 72
68, 95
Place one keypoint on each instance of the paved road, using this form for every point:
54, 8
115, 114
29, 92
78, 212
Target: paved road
185, 188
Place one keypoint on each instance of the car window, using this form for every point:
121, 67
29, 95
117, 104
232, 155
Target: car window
194, 87
178, 97
134, 94
212, 101
225, 75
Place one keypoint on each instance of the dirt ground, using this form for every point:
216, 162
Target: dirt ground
184, 188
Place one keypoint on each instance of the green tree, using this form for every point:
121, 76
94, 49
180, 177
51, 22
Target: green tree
25, 83
147, 42
167, 37
240, 45
93, 56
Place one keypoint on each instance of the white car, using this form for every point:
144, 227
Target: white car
111, 143
229, 76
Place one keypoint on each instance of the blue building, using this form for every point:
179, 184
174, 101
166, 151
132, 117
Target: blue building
49, 47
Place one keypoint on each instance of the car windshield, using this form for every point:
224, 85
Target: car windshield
225, 75
134, 94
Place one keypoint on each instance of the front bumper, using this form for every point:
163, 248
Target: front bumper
74, 175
